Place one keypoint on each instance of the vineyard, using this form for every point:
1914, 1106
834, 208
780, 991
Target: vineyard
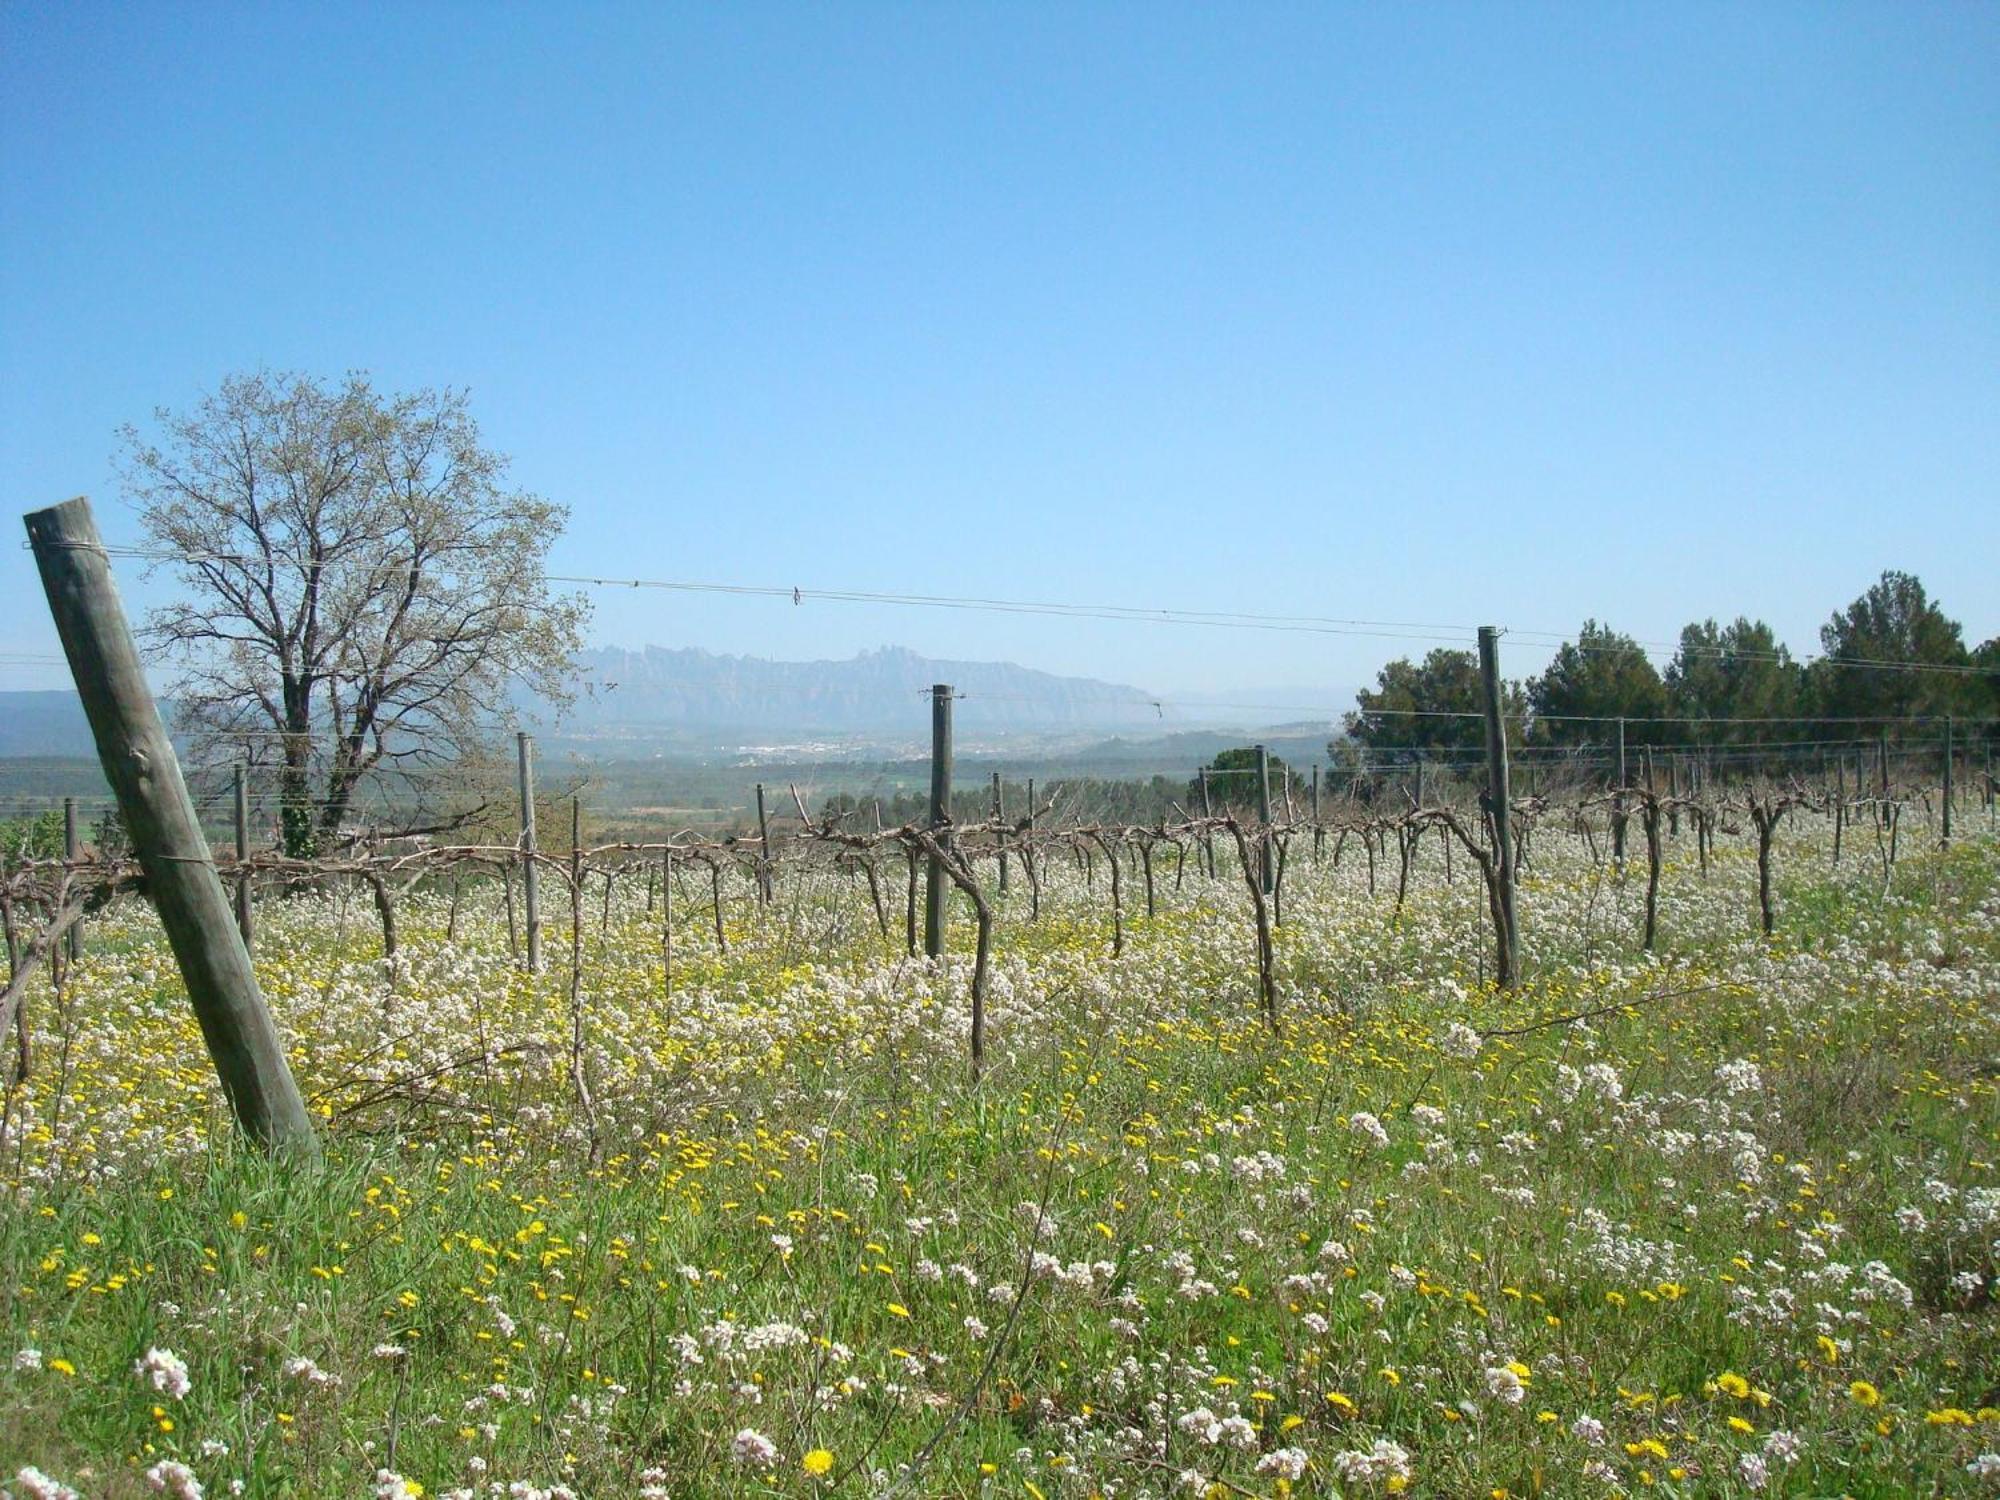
1208, 1158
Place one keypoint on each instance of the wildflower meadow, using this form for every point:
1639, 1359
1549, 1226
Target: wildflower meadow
1719, 1219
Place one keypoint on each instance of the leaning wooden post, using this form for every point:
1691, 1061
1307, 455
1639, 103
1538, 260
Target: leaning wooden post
1000, 836
72, 854
243, 920
138, 759
1264, 818
530, 884
1946, 843
936, 889
1497, 794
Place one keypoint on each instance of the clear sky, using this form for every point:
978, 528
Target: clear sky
1451, 313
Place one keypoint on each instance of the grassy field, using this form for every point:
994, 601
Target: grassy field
1733, 1232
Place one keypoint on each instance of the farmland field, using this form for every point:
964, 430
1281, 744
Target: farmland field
1717, 1220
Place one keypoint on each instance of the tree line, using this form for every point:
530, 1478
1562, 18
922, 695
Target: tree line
1726, 685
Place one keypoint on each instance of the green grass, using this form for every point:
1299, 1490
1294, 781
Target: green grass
810, 1085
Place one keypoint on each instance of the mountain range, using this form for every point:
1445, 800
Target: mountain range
680, 697
885, 691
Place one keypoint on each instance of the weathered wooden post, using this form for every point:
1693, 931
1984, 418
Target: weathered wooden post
1497, 795
1028, 859
667, 917
1946, 842
1882, 774
72, 854
763, 851
138, 759
575, 875
937, 890
1000, 836
1319, 831
1264, 871
1208, 834
1618, 806
1839, 803
530, 881
243, 918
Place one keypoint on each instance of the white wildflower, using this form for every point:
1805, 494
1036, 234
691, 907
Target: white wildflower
752, 1447
172, 1478
166, 1369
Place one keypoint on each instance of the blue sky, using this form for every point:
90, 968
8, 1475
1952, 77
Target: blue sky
1452, 313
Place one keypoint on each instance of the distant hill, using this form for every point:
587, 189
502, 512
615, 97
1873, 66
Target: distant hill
877, 692
686, 701
44, 724
684, 695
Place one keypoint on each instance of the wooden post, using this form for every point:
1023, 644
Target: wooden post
1618, 806
1947, 781
1027, 860
1264, 872
72, 854
243, 919
1419, 797
667, 917
575, 874
1839, 803
1319, 831
937, 890
138, 759
530, 883
1208, 834
1497, 795
763, 851
1000, 838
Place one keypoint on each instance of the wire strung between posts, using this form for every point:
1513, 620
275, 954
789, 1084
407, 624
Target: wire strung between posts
1445, 633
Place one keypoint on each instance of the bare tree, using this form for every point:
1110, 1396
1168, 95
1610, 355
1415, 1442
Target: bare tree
362, 588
